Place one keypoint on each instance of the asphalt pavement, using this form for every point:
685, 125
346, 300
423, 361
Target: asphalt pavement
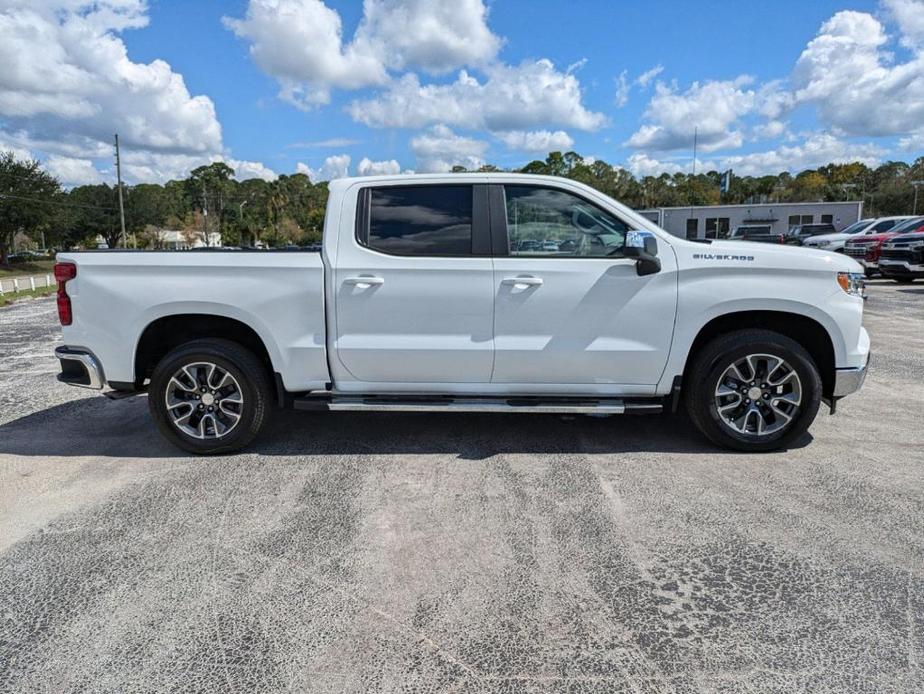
464, 553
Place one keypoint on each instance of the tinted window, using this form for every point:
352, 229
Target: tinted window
856, 226
751, 231
421, 220
815, 229
548, 222
910, 225
885, 226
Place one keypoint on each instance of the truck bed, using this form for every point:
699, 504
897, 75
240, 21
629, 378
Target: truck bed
116, 295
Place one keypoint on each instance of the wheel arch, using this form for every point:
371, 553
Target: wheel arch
167, 332
807, 331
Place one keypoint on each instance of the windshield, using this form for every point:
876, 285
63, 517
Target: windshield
910, 225
857, 226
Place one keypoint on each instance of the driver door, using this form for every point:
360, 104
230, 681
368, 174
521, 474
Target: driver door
571, 312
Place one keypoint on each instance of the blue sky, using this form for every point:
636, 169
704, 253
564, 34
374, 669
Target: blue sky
271, 87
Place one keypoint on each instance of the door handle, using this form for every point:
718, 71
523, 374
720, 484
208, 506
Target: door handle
364, 282
522, 282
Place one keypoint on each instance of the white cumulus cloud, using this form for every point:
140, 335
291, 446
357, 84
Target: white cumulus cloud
71, 171
336, 166
67, 85
849, 74
815, 150
244, 170
66, 75
909, 16
439, 149
536, 141
367, 167
712, 108
301, 44
641, 165
511, 98
433, 35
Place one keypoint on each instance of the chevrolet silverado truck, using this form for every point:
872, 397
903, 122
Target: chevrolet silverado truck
426, 296
902, 258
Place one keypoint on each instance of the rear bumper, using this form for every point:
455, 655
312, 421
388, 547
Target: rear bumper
847, 381
79, 368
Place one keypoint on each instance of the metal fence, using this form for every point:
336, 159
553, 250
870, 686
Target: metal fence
11, 285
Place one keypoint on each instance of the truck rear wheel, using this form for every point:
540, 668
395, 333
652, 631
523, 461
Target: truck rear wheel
210, 396
753, 390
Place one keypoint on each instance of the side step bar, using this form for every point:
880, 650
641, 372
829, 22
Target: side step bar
347, 403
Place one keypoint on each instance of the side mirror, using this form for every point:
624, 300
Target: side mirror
643, 246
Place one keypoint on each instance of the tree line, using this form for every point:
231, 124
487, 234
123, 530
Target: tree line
36, 211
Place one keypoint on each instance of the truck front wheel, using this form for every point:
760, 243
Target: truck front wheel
753, 390
210, 396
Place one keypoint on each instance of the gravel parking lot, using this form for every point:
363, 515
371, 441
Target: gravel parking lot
384, 552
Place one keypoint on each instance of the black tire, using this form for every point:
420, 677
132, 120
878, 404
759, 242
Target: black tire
238, 361
713, 359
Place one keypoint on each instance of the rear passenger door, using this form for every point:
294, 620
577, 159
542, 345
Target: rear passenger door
414, 290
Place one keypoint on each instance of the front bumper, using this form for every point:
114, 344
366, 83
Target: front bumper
79, 368
900, 268
847, 381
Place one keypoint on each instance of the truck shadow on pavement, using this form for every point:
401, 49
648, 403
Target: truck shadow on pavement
97, 426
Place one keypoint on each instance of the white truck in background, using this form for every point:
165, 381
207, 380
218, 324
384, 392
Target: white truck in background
470, 292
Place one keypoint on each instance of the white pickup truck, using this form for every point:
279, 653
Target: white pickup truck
470, 292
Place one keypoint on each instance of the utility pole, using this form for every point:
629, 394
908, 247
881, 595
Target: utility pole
916, 184
205, 214
695, 132
240, 211
119, 179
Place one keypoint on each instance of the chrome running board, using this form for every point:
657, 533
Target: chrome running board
539, 405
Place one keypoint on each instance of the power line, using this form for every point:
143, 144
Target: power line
56, 202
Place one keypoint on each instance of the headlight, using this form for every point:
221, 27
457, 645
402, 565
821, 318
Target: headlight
853, 283
823, 244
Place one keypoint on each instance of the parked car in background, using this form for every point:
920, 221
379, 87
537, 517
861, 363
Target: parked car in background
866, 249
761, 233
836, 242
423, 298
797, 235
902, 258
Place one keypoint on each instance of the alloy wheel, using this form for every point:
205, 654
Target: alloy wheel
204, 400
758, 395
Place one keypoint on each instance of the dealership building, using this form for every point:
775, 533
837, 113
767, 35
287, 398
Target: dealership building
716, 221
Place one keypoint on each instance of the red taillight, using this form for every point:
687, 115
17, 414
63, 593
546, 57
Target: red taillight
782, 238
63, 273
